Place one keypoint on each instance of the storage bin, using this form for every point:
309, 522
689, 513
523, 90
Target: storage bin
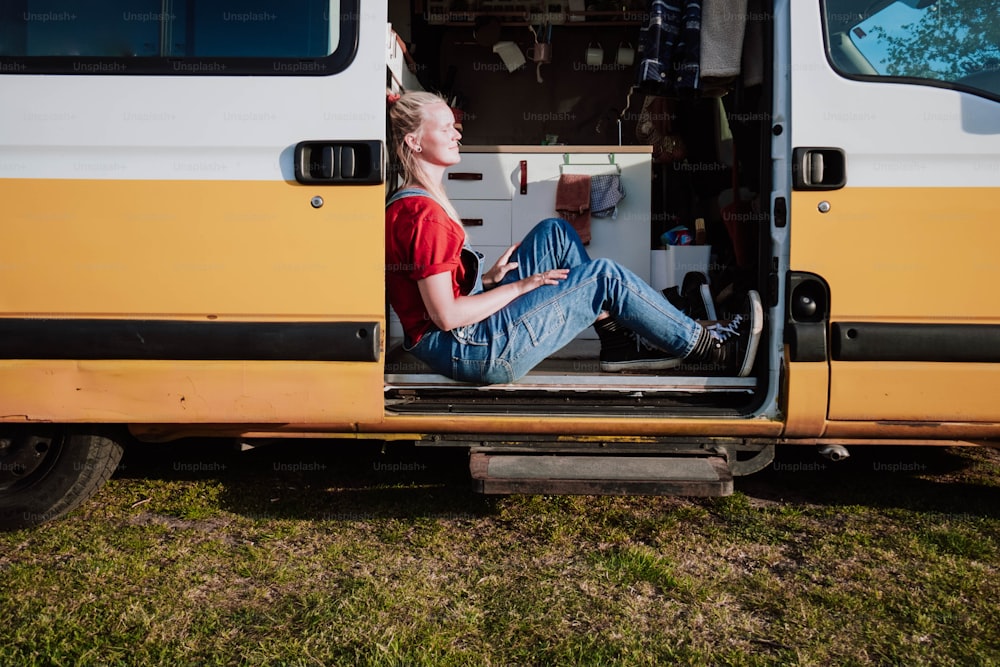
668, 267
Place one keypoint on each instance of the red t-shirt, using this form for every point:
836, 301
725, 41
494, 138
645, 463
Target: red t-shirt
420, 241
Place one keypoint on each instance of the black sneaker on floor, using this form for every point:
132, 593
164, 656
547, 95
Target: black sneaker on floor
632, 353
733, 343
693, 297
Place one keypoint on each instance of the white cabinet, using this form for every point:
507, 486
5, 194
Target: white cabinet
517, 185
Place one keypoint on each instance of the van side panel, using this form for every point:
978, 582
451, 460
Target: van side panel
188, 251
166, 203
907, 245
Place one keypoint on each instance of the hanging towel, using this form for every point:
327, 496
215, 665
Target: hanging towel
605, 193
723, 23
573, 203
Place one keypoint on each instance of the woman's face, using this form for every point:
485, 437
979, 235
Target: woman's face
438, 138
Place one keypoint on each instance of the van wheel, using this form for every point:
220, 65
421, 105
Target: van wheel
46, 472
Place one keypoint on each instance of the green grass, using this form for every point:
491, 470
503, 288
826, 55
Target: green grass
329, 554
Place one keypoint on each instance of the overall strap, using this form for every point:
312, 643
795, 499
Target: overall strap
407, 192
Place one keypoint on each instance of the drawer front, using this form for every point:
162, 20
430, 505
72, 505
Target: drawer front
487, 222
480, 176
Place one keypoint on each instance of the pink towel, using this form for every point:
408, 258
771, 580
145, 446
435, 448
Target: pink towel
573, 203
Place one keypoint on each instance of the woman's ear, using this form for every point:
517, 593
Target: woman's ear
411, 141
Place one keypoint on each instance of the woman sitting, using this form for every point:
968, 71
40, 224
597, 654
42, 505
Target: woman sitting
495, 326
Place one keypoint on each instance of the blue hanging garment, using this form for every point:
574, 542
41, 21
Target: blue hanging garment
670, 47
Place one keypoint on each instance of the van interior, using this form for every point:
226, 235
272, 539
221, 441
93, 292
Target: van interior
708, 137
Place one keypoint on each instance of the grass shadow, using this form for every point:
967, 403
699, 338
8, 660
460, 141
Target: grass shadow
347, 479
318, 479
953, 480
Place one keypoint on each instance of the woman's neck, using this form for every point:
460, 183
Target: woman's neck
434, 174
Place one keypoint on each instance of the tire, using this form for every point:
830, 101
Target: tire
46, 472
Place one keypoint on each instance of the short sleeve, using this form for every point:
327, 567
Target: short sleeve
437, 247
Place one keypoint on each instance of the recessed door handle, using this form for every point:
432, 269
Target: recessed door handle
339, 162
819, 168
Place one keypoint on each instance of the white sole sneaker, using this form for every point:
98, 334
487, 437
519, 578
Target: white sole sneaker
756, 315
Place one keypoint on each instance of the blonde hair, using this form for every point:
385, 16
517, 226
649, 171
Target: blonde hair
406, 116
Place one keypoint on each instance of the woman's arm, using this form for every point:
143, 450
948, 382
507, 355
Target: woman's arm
448, 312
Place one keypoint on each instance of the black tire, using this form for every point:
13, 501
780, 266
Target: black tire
46, 472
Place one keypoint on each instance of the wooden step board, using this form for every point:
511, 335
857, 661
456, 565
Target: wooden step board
572, 474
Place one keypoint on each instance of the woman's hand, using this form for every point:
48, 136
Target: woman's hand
502, 267
550, 277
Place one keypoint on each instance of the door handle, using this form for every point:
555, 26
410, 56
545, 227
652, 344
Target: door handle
339, 162
819, 168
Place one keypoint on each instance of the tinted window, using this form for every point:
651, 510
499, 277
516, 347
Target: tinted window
951, 42
250, 35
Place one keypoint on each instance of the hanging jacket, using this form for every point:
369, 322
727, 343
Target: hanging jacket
669, 48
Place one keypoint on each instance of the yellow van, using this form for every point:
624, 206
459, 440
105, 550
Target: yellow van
192, 229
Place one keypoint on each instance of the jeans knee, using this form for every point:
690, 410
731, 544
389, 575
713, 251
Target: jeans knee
606, 267
556, 226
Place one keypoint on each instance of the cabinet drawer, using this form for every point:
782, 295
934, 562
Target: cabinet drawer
479, 176
487, 222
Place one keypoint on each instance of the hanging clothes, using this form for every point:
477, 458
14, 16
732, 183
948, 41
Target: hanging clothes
606, 192
573, 203
670, 48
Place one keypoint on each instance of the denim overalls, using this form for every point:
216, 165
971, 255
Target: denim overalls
506, 345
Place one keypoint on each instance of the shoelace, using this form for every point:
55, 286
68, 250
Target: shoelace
722, 332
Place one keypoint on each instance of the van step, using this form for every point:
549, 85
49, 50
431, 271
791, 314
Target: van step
626, 384
570, 474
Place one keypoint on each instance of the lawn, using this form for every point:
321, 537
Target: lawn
342, 553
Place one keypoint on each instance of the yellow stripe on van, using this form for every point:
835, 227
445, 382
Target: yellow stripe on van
241, 249
338, 395
901, 254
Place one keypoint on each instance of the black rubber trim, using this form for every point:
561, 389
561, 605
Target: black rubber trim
866, 341
336, 62
184, 340
806, 341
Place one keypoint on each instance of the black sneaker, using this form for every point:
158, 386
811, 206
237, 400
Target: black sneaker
732, 344
630, 352
693, 297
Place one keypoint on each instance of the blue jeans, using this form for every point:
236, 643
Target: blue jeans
506, 345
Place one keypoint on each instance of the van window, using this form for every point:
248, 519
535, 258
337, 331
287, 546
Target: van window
148, 36
955, 43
